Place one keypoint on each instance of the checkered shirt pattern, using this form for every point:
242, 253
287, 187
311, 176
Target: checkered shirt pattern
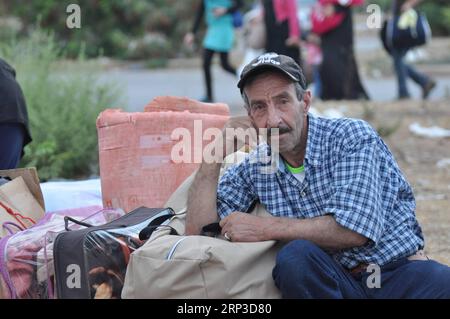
350, 174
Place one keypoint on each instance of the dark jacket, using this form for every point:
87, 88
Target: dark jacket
13, 108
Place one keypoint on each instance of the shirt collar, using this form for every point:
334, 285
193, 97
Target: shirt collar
313, 144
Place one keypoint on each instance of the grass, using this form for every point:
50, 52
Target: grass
63, 100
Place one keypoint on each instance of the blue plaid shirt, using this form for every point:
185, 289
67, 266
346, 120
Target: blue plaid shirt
349, 174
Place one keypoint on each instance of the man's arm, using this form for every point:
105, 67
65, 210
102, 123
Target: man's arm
202, 196
202, 206
324, 231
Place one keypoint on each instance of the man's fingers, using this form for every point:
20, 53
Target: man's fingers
225, 224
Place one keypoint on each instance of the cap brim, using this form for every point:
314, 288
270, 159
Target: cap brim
257, 69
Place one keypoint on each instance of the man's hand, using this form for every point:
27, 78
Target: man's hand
242, 227
324, 231
232, 140
202, 204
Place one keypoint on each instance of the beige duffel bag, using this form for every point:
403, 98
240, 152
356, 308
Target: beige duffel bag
187, 267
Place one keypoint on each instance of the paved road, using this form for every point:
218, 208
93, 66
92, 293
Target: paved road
141, 86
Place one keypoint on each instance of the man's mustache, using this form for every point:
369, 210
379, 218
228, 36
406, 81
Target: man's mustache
277, 131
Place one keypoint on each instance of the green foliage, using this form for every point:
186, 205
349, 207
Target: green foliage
64, 100
384, 4
109, 27
438, 15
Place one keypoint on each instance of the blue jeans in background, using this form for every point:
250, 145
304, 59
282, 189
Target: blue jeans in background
403, 71
303, 270
12, 136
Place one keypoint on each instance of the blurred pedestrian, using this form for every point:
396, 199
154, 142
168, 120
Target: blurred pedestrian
14, 130
282, 28
254, 35
219, 36
314, 59
339, 71
403, 70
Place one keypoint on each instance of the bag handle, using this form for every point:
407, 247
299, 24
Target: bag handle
7, 226
146, 232
68, 218
16, 215
211, 230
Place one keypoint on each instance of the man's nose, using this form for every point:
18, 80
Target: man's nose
273, 117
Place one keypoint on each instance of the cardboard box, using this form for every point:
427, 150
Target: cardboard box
135, 149
21, 196
31, 179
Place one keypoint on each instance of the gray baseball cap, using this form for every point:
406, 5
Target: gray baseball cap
276, 61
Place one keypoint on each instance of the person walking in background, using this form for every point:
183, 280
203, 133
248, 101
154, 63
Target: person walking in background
403, 70
14, 130
219, 37
282, 28
314, 59
339, 71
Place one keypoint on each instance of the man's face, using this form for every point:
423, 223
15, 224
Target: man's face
273, 103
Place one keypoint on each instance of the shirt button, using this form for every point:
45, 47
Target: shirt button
303, 193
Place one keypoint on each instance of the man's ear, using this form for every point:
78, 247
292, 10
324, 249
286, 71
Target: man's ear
307, 98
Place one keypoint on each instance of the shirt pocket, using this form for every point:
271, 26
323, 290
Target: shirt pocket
314, 197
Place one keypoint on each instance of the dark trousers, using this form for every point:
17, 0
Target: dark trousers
207, 59
11, 143
404, 71
303, 270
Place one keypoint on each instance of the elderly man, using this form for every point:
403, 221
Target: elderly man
337, 197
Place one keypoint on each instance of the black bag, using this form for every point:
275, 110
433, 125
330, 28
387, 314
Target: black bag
394, 37
92, 262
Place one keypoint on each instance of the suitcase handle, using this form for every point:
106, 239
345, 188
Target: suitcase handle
145, 233
211, 230
68, 218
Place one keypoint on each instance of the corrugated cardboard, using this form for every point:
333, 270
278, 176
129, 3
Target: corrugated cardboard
18, 196
23, 197
31, 179
136, 167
